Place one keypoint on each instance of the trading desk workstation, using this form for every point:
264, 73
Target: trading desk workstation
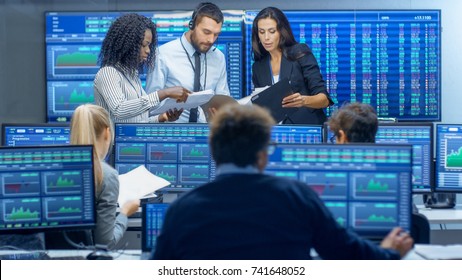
367, 187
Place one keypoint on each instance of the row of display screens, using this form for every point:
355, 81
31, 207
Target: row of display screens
367, 187
180, 154
389, 59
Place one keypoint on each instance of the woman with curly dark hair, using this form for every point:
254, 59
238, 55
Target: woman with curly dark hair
277, 56
129, 48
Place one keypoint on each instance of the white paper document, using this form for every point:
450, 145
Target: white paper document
139, 183
248, 99
439, 252
195, 99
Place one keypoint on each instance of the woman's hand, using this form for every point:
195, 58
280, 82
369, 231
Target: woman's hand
293, 100
317, 101
130, 207
170, 115
180, 94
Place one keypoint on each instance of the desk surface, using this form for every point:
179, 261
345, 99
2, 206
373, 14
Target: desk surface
442, 216
438, 251
117, 255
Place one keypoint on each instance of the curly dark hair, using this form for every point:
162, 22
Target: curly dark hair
122, 44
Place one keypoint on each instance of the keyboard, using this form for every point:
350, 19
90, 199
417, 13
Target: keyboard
25, 256
68, 258
37, 256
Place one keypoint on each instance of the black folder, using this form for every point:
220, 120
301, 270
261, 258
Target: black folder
271, 98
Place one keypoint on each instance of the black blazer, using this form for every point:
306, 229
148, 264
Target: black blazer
304, 76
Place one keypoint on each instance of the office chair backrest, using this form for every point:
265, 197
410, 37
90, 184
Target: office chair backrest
420, 230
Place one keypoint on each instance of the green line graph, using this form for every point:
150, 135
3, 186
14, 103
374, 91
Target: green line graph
374, 186
454, 159
69, 210
166, 176
62, 182
77, 59
196, 152
76, 97
380, 218
21, 214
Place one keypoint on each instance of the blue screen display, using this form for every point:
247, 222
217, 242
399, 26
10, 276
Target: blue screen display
449, 158
35, 134
299, 134
46, 188
366, 187
179, 153
153, 216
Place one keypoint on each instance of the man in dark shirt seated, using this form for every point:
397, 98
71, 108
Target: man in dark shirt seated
245, 214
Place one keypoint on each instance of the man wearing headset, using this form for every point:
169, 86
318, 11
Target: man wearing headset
176, 60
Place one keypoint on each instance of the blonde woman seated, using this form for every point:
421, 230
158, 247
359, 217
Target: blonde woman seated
91, 124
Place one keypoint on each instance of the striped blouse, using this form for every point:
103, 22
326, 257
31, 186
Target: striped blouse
123, 97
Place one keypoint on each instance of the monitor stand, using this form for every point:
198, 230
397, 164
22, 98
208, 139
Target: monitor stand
439, 200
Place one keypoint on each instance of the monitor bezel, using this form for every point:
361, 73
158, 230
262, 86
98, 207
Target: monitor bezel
437, 156
144, 247
368, 234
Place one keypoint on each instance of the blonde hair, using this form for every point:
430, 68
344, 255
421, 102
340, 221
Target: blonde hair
88, 123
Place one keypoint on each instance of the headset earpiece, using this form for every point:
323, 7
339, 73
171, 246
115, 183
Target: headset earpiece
192, 22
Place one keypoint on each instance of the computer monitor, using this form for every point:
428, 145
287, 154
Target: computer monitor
73, 42
46, 188
448, 158
420, 136
152, 219
178, 153
34, 134
367, 187
300, 134
390, 59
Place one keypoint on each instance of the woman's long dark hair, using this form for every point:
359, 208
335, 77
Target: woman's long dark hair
287, 38
122, 44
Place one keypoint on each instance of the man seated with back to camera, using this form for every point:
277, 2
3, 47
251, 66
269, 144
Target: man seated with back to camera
354, 123
245, 214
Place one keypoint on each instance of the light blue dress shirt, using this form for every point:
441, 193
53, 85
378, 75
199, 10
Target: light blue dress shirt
173, 68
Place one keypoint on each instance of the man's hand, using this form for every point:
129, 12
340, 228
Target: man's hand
398, 240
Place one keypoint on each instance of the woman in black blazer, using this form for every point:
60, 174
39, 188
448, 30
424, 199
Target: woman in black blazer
277, 55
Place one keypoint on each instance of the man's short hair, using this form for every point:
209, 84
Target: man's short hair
206, 9
238, 133
357, 120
